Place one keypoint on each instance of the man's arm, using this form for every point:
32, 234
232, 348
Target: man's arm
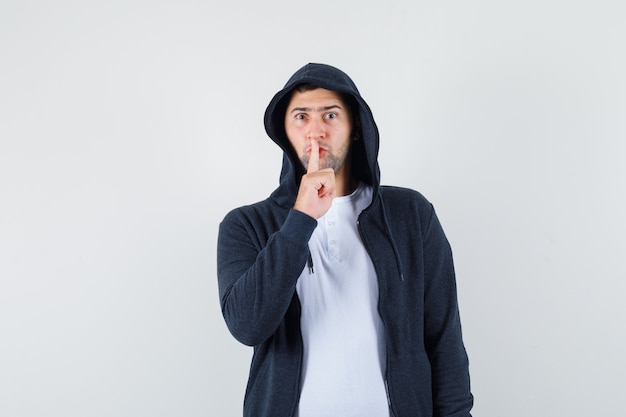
444, 343
257, 283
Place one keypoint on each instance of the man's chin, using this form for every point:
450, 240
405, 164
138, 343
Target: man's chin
323, 163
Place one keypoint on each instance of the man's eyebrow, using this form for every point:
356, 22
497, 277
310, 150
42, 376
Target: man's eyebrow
318, 109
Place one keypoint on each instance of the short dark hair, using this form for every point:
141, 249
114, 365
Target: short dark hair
345, 97
302, 87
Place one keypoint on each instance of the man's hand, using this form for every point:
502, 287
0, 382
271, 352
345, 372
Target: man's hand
317, 187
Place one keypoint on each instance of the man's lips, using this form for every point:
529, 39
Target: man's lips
321, 149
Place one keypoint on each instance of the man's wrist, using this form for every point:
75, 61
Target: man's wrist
298, 226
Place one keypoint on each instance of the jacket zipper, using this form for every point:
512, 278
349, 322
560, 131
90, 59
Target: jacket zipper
299, 390
358, 226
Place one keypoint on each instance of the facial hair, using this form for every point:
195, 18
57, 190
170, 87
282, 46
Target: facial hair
330, 160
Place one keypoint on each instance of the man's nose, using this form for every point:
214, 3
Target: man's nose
316, 129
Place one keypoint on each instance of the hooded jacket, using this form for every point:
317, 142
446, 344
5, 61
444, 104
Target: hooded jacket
263, 249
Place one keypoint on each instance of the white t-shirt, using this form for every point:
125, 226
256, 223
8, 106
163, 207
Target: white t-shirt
344, 350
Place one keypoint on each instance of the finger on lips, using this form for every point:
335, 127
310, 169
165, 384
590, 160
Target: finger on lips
314, 159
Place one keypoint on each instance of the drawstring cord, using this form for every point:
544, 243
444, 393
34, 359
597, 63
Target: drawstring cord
396, 253
309, 262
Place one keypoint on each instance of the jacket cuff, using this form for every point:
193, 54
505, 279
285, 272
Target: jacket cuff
298, 226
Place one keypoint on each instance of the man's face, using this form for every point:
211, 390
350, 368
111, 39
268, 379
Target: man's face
319, 115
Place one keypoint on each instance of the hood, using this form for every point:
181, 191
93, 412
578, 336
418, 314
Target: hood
364, 151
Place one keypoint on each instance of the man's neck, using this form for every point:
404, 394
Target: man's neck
345, 184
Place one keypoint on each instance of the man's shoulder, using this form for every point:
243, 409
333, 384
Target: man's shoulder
264, 209
403, 203
403, 194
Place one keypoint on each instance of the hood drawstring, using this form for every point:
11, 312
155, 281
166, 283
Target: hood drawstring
309, 262
391, 239
396, 253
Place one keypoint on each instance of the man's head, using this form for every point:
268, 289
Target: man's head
361, 159
325, 116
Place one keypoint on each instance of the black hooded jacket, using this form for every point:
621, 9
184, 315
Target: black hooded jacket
263, 249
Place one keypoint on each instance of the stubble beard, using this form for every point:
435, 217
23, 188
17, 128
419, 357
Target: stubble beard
330, 160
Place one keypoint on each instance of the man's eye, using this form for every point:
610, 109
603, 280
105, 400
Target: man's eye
331, 115
299, 116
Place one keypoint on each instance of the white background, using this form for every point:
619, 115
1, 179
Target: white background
129, 128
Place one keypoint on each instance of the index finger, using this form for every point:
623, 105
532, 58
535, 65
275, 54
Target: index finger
314, 158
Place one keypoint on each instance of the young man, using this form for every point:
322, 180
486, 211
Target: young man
344, 287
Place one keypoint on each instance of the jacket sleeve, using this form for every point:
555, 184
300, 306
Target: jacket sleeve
444, 343
257, 278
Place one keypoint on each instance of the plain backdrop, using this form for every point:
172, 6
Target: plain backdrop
128, 129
